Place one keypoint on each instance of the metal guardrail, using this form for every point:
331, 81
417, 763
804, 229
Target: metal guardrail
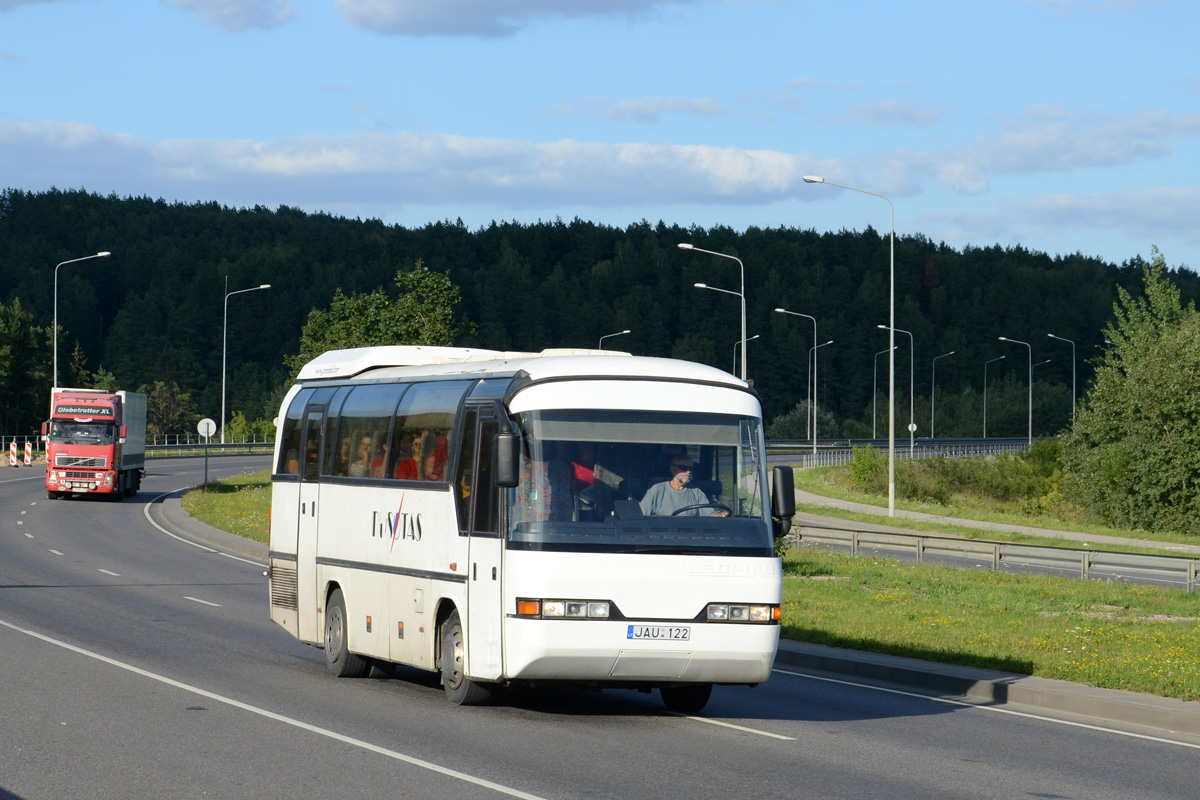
216, 449
836, 453
1180, 571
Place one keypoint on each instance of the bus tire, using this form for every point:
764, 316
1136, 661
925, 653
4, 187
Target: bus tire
689, 698
460, 689
340, 661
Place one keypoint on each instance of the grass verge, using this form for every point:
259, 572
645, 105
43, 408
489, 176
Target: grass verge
240, 505
1112, 635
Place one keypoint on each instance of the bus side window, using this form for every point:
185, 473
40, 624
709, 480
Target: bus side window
487, 504
464, 489
290, 440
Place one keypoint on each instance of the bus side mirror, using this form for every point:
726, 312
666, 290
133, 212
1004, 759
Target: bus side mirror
783, 499
507, 460
45, 428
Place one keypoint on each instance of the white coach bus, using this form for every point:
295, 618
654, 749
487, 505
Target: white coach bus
574, 517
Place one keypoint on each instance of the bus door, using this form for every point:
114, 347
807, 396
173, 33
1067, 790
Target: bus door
479, 520
306, 527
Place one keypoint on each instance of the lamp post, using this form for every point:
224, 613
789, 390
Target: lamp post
735, 294
224, 339
1028, 345
812, 354
912, 346
1061, 339
875, 392
101, 254
741, 294
813, 407
985, 391
891, 339
742, 342
933, 391
610, 335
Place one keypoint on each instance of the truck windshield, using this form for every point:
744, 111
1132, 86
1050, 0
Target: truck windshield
82, 433
640, 482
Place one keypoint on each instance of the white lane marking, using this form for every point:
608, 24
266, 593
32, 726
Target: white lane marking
23, 513
146, 513
739, 727
106, 572
21, 521
417, 762
56, 552
29, 536
993, 709
202, 602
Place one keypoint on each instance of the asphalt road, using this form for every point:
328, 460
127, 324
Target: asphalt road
137, 665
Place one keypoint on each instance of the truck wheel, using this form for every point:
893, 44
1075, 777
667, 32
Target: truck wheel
460, 690
341, 662
687, 699
53, 495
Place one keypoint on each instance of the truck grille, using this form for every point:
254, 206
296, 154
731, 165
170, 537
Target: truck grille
284, 587
75, 462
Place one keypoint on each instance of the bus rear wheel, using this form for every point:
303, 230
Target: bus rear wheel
689, 698
460, 689
338, 658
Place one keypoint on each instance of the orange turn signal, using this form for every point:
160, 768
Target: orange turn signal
776, 613
529, 608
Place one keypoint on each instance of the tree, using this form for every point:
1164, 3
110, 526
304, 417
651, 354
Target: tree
423, 314
23, 376
168, 409
1133, 456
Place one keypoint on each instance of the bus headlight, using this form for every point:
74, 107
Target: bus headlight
736, 612
563, 609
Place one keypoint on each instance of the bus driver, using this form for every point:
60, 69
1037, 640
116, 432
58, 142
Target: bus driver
664, 499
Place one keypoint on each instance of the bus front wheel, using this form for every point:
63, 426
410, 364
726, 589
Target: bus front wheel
687, 699
341, 662
460, 690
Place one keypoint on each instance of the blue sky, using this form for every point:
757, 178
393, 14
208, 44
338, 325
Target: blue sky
1061, 125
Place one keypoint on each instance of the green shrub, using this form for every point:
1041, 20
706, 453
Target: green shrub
868, 470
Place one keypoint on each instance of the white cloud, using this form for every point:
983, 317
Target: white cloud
9, 5
898, 112
641, 109
1140, 214
483, 18
231, 16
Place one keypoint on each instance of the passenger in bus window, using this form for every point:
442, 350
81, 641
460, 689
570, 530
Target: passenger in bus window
435, 460
380, 459
343, 459
361, 466
664, 499
412, 468
545, 489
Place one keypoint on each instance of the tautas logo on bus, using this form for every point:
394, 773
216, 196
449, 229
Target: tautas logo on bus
398, 524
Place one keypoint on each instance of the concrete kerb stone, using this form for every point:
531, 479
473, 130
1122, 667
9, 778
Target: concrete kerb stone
185, 525
990, 687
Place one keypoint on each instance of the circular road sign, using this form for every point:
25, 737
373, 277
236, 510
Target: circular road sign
207, 427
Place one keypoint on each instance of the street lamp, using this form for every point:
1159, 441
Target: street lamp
933, 391
610, 335
912, 421
1001, 358
102, 254
891, 340
813, 408
741, 294
875, 392
224, 339
1027, 344
812, 354
1061, 339
735, 349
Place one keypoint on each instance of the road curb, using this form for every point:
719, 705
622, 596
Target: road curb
185, 525
991, 687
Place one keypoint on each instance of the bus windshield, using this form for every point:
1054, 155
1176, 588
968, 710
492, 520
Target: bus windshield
640, 482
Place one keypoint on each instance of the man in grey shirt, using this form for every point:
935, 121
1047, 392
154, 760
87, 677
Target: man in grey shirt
664, 499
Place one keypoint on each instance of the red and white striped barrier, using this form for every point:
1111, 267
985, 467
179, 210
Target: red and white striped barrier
12, 454
28, 454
